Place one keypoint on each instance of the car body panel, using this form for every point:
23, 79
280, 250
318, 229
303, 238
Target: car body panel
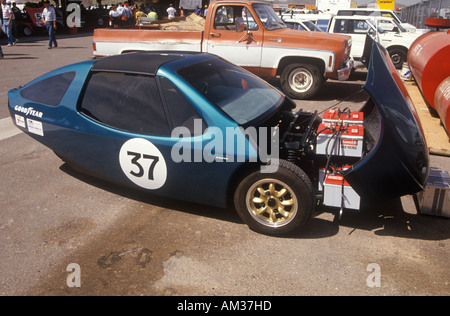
398, 162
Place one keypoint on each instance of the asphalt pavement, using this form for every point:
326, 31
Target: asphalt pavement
58, 226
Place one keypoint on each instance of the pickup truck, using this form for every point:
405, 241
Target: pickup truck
388, 32
251, 35
382, 13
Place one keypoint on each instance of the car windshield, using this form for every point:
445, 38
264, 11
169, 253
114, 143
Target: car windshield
312, 27
374, 27
241, 95
268, 17
390, 25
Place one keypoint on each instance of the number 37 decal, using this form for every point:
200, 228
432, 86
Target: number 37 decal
143, 163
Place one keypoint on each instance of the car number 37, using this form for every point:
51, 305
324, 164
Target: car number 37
143, 163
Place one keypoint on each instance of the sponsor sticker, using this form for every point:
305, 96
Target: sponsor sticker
35, 127
20, 120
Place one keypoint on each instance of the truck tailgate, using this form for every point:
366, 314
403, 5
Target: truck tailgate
117, 41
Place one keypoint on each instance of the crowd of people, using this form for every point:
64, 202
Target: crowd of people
128, 13
120, 15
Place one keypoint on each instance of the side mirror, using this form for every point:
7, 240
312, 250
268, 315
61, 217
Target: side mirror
239, 25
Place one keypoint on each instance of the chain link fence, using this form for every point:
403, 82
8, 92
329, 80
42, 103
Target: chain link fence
417, 13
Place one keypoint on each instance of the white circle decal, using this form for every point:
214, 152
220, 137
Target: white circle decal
143, 163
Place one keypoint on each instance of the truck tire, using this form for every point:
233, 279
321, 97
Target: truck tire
301, 81
398, 56
275, 203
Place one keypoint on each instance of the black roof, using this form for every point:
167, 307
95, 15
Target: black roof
139, 62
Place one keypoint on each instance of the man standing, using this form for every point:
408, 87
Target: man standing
198, 11
8, 17
49, 17
1, 27
171, 11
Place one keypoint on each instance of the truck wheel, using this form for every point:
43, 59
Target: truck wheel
301, 81
275, 203
398, 56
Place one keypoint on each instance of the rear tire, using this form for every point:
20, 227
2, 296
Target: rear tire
275, 203
301, 81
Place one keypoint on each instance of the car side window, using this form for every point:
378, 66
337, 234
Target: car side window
360, 27
351, 27
340, 26
49, 91
181, 111
128, 102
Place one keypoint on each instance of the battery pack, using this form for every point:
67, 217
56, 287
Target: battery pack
337, 193
335, 116
435, 198
348, 142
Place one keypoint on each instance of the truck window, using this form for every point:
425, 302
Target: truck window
228, 16
351, 26
125, 101
268, 17
322, 24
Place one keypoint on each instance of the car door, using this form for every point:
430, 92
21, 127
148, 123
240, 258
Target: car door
125, 130
235, 35
355, 28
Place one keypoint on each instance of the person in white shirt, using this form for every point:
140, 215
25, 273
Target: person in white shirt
49, 17
114, 16
171, 11
8, 17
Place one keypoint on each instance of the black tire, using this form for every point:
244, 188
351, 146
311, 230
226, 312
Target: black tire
27, 31
275, 203
398, 56
301, 81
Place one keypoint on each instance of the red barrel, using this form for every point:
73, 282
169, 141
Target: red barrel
429, 61
442, 102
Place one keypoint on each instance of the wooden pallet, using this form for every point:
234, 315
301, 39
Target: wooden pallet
435, 134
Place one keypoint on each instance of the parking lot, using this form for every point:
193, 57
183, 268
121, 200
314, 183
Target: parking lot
125, 242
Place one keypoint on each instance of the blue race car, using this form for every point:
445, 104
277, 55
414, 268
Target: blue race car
194, 127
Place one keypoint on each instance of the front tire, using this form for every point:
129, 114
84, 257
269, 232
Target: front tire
275, 203
398, 56
301, 81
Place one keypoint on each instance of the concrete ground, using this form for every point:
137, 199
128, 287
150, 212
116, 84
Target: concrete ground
128, 243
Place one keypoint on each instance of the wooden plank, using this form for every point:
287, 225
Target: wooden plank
435, 134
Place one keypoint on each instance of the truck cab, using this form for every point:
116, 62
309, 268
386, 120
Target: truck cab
250, 34
386, 31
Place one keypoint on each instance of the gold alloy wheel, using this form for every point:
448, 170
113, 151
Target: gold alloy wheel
272, 203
